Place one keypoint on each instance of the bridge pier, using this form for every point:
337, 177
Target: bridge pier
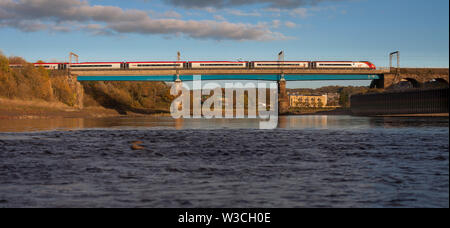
388, 80
384, 82
283, 99
79, 91
80, 95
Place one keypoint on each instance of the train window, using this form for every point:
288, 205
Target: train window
220, 64
335, 64
158, 65
281, 64
92, 66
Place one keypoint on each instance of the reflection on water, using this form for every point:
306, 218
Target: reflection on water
285, 122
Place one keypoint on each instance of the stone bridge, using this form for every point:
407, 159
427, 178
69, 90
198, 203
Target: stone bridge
417, 76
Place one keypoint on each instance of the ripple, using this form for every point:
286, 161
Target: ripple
350, 167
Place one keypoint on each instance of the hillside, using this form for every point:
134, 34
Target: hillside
32, 91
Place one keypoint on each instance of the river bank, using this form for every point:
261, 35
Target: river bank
38, 109
319, 111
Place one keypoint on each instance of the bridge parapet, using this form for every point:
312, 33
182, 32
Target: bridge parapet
422, 71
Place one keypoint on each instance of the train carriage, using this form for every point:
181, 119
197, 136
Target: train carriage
343, 65
51, 66
155, 65
217, 64
96, 65
284, 64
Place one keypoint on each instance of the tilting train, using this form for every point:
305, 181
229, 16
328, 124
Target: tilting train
208, 65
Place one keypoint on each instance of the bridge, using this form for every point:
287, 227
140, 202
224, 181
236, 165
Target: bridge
416, 76
171, 75
381, 78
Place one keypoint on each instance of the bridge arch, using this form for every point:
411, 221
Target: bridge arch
441, 80
414, 83
436, 83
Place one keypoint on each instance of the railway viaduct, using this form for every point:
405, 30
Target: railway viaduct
381, 78
417, 76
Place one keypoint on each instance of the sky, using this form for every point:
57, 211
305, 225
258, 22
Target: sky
143, 30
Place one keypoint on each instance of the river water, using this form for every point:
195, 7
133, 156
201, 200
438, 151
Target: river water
309, 161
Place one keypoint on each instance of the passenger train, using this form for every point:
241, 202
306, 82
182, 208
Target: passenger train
207, 65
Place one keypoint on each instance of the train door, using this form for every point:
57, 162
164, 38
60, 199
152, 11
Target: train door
124, 66
62, 66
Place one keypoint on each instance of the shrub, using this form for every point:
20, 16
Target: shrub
62, 91
30, 82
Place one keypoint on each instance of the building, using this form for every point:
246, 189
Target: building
333, 99
310, 101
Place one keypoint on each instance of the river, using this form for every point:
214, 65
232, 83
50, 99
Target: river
309, 161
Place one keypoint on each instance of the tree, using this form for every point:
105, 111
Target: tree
4, 63
16, 60
320, 104
343, 100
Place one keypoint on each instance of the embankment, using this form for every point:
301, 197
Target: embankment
30, 92
402, 103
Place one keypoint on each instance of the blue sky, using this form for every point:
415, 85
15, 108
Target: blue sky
131, 30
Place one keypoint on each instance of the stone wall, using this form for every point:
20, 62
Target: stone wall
407, 102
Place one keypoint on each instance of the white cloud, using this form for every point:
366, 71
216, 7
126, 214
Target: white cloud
210, 9
280, 4
290, 24
219, 18
276, 23
241, 13
296, 12
299, 12
167, 14
172, 14
35, 15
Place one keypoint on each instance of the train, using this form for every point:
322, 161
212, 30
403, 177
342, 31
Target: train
207, 65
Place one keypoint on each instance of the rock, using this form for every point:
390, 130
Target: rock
136, 145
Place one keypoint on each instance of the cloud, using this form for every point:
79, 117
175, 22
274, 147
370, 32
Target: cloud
167, 14
299, 12
290, 24
241, 13
37, 15
198, 29
277, 4
276, 23
295, 12
219, 18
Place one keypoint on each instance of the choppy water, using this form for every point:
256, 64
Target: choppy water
310, 161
